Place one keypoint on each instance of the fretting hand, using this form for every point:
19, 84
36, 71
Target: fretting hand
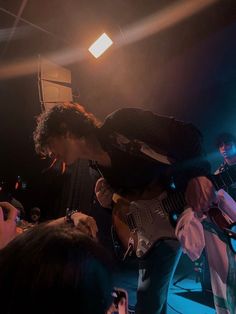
200, 194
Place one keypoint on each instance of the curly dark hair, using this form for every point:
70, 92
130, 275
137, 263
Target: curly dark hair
59, 120
225, 138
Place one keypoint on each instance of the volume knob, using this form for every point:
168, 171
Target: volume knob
139, 253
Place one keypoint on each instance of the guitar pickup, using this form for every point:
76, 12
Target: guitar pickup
131, 222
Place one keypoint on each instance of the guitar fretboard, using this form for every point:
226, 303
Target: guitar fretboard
175, 201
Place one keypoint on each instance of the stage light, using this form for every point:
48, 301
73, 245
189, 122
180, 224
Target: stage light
100, 45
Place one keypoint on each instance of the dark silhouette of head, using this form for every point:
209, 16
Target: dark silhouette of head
35, 214
54, 269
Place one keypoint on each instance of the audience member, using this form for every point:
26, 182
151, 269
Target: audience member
54, 269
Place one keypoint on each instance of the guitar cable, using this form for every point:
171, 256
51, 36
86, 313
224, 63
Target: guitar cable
128, 251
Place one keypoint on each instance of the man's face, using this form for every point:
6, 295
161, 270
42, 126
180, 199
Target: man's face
228, 150
65, 148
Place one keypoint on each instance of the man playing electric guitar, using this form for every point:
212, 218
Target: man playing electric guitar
139, 154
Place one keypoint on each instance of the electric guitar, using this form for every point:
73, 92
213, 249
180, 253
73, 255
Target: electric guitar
139, 223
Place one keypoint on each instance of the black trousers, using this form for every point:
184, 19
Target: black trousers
150, 277
155, 274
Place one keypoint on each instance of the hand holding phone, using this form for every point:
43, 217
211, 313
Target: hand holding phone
120, 302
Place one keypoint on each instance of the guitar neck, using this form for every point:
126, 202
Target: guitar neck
175, 201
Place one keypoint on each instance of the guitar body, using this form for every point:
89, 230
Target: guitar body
141, 223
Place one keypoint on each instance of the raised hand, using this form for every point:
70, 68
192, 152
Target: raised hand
8, 226
85, 223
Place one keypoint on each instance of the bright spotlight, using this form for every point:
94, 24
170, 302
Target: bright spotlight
100, 45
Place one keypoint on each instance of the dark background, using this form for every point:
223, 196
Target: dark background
187, 70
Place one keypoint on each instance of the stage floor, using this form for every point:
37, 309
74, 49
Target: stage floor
187, 297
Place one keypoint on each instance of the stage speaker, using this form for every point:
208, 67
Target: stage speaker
54, 84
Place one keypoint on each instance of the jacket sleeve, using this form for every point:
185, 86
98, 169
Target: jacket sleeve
181, 141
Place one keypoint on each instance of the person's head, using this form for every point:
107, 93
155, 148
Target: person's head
226, 144
63, 131
35, 214
54, 269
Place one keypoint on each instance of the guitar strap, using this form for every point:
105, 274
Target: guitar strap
137, 147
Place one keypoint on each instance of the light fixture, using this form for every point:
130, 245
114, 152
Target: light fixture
100, 45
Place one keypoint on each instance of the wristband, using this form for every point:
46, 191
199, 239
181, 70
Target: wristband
69, 213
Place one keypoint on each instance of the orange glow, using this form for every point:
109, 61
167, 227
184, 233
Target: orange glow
152, 24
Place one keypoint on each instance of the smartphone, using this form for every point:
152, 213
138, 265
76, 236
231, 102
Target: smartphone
120, 301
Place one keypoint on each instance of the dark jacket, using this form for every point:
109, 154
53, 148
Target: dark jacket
178, 145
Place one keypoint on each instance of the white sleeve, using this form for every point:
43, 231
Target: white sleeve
189, 232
